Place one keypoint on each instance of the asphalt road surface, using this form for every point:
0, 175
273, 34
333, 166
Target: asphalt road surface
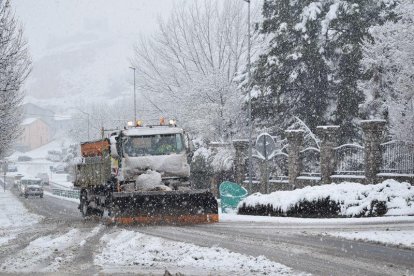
301, 247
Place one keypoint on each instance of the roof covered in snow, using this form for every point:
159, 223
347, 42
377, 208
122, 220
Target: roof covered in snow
28, 121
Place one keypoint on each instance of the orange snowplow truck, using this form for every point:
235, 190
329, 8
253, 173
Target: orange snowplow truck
141, 175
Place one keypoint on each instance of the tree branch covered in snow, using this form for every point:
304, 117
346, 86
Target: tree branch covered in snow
14, 69
188, 67
388, 60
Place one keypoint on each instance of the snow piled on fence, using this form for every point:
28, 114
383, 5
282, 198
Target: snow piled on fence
145, 253
354, 198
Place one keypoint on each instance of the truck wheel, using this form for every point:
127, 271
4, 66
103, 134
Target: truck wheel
99, 212
26, 196
84, 206
41, 196
85, 209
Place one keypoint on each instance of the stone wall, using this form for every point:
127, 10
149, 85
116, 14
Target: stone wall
373, 134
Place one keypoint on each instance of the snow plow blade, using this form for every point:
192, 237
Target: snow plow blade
172, 207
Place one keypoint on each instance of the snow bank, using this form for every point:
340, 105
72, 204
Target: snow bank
396, 238
277, 221
347, 199
142, 252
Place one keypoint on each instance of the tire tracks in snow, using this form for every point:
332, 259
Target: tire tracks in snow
300, 252
59, 249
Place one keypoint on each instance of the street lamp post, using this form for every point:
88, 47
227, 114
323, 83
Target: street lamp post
250, 96
135, 101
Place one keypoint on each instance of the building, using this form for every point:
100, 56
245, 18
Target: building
35, 133
34, 111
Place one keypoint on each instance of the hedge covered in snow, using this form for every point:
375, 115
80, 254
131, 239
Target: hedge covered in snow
390, 198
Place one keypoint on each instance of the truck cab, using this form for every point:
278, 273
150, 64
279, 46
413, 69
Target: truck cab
156, 148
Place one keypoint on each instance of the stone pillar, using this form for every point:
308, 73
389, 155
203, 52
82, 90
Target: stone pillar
295, 140
241, 147
263, 176
328, 136
373, 136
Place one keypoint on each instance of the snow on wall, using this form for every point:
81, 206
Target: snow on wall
354, 198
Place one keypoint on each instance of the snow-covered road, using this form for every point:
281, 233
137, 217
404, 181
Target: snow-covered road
62, 242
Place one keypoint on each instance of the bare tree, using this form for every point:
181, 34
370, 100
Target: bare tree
14, 69
188, 67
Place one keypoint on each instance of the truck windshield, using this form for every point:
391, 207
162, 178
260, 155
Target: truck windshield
162, 144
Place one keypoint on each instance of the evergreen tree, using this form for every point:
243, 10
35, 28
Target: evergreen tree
344, 50
292, 74
312, 65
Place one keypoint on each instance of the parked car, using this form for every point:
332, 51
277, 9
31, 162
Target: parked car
44, 177
31, 186
24, 158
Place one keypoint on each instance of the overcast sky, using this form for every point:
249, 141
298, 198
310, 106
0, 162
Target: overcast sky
81, 48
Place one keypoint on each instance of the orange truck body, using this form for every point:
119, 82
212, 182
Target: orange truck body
94, 148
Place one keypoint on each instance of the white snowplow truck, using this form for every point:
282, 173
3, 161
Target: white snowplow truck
141, 175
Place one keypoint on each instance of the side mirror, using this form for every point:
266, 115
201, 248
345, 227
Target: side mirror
114, 148
188, 143
191, 146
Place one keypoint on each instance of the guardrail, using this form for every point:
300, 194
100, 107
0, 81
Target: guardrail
66, 193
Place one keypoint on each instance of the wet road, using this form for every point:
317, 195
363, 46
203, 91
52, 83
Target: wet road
301, 247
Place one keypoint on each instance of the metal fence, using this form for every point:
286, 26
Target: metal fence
278, 166
310, 159
397, 157
66, 193
349, 159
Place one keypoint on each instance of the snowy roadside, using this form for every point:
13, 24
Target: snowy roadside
13, 217
322, 221
14, 214
395, 238
144, 254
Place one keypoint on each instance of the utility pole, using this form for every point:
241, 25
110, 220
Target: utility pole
4, 174
88, 125
250, 96
135, 100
